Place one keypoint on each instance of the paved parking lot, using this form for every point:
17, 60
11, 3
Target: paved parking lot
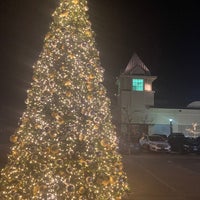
163, 176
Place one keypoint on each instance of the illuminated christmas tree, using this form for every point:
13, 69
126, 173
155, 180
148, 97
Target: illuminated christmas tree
65, 147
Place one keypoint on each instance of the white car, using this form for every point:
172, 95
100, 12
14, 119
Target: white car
155, 143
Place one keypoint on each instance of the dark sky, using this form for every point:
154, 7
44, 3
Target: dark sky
165, 35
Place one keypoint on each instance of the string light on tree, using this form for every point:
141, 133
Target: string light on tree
65, 147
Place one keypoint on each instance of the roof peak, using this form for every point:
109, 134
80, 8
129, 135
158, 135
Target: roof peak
136, 67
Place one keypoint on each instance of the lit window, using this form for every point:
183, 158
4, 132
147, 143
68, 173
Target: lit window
148, 87
138, 84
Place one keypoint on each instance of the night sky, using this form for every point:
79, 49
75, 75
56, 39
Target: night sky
164, 35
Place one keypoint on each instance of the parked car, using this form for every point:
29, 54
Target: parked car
133, 144
181, 144
129, 146
135, 148
161, 135
155, 143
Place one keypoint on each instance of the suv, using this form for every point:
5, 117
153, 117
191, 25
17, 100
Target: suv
181, 144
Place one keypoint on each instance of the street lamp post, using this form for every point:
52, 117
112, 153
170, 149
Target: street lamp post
171, 126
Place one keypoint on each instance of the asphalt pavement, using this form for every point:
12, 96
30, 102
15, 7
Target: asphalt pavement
161, 176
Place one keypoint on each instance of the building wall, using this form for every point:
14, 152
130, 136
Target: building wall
137, 99
157, 120
183, 120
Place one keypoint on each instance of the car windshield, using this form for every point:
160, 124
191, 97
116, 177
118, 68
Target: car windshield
156, 138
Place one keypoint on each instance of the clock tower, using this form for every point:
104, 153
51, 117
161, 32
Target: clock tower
135, 86
135, 94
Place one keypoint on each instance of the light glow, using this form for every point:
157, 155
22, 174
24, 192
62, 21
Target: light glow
148, 87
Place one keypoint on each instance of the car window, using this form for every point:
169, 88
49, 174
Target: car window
156, 138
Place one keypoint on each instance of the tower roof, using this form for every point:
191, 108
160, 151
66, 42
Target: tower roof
136, 67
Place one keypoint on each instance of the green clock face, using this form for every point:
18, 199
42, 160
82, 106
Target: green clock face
138, 84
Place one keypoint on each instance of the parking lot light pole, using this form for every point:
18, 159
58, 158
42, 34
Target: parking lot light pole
171, 126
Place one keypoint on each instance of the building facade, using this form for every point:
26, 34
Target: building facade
137, 114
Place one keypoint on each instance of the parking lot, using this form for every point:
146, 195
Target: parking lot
161, 176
